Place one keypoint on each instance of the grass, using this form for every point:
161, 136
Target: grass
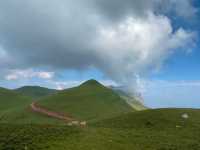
32, 137
35, 92
11, 102
133, 101
146, 130
90, 101
14, 109
158, 119
135, 104
113, 125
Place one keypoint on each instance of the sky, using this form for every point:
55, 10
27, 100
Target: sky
149, 46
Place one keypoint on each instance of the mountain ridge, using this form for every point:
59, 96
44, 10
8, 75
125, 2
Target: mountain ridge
35, 92
89, 101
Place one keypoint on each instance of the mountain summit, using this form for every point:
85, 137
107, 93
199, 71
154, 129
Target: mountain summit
91, 82
90, 101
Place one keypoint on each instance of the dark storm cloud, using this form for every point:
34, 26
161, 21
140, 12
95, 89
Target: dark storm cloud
118, 9
62, 34
41, 33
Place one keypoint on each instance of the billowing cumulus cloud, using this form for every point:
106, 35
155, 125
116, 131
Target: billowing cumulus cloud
136, 45
120, 38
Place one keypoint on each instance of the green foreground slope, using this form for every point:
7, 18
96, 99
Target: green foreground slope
133, 101
90, 101
15, 109
163, 129
11, 102
35, 92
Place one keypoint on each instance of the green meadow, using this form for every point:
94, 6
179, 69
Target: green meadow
112, 124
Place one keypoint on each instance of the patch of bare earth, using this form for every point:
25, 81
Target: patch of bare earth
69, 120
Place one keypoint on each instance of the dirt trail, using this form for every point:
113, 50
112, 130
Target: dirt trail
36, 108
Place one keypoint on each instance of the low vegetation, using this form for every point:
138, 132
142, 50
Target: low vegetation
35, 92
163, 129
112, 123
15, 109
90, 101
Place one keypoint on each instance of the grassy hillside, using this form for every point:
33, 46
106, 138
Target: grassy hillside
113, 124
35, 92
89, 101
162, 129
11, 102
14, 109
133, 101
157, 118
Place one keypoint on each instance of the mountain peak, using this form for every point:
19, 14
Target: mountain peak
92, 82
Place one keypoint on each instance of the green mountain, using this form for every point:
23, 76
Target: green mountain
161, 129
90, 101
133, 100
35, 92
15, 109
11, 102
112, 125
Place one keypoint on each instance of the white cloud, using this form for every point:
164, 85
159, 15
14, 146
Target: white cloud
44, 75
137, 45
11, 77
122, 39
29, 73
109, 83
60, 85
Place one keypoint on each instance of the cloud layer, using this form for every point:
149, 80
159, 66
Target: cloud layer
120, 38
27, 74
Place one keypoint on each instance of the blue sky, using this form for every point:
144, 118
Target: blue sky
178, 68
115, 43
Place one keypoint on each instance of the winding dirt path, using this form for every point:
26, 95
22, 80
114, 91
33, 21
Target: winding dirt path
69, 120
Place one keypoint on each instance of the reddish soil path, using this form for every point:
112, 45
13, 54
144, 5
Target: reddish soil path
36, 108
69, 120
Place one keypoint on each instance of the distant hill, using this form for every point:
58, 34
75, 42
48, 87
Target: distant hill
134, 101
11, 102
112, 125
90, 101
35, 92
10, 99
15, 109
